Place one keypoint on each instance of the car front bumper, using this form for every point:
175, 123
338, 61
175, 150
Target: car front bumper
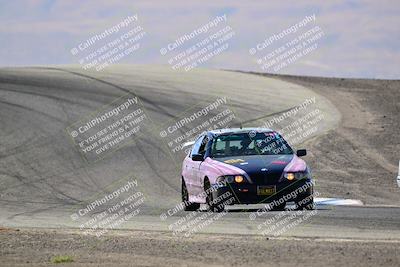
249, 194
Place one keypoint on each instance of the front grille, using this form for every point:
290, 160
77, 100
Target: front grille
265, 178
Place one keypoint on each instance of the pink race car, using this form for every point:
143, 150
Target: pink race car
245, 166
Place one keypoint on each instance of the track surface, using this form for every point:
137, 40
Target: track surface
42, 172
43, 179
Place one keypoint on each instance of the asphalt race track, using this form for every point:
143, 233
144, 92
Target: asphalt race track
44, 180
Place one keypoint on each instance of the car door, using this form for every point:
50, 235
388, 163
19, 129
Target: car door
192, 167
197, 170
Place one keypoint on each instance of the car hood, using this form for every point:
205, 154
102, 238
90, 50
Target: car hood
254, 163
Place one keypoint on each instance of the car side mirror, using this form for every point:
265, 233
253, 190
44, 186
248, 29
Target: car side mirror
301, 152
197, 157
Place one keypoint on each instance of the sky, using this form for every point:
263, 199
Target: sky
361, 39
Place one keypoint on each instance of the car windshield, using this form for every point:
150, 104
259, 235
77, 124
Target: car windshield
266, 143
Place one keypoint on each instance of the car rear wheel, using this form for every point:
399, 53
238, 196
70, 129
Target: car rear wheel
189, 206
212, 205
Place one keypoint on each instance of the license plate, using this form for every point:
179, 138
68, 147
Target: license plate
266, 190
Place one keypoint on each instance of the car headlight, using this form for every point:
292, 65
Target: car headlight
231, 179
295, 175
289, 176
239, 179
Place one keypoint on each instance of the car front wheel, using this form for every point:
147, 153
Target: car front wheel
188, 206
213, 205
279, 207
305, 202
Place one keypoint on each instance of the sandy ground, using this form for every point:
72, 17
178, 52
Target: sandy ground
138, 248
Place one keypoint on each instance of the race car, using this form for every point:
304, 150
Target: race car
245, 166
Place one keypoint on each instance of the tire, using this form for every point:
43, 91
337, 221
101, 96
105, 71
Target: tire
280, 207
213, 207
189, 206
305, 201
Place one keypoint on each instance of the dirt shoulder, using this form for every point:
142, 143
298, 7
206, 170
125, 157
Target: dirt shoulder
29, 247
360, 158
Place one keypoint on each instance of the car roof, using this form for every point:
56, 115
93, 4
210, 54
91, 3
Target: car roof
238, 130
